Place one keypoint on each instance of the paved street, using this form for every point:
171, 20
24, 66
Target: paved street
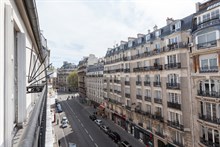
84, 132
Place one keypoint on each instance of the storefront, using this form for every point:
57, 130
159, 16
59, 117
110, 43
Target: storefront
119, 120
144, 136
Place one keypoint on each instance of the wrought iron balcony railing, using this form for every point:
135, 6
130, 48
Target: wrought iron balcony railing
147, 98
207, 44
127, 82
209, 118
209, 143
212, 94
175, 124
138, 83
127, 95
146, 83
157, 84
139, 97
158, 100
208, 69
174, 105
172, 66
173, 85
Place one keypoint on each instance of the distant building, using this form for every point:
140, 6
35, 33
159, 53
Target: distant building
94, 83
61, 83
205, 75
82, 69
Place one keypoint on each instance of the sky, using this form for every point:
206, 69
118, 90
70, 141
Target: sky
76, 28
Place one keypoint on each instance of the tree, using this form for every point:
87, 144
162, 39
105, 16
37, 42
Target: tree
72, 80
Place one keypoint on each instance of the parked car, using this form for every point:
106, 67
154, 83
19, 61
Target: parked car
64, 124
124, 144
64, 120
59, 109
92, 117
98, 122
105, 128
114, 136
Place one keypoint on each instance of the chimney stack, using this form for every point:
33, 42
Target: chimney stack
155, 27
169, 20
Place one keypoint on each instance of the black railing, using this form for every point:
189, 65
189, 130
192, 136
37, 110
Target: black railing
173, 85
157, 84
128, 107
172, 65
147, 98
138, 83
146, 83
36, 125
139, 97
174, 105
159, 134
208, 69
209, 118
138, 69
213, 94
208, 143
158, 100
158, 117
210, 22
127, 82
207, 44
175, 124
126, 70
157, 67
127, 95
178, 143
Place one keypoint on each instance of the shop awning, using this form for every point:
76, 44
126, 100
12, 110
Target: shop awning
101, 107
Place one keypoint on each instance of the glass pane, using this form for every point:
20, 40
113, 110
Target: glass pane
204, 63
201, 39
211, 36
213, 63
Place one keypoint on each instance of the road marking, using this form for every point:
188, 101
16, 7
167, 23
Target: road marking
82, 125
91, 137
96, 145
79, 120
86, 131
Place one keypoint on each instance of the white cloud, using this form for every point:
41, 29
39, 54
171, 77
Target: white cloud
77, 28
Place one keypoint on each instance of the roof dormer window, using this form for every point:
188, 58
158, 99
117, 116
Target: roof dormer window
130, 43
148, 36
157, 33
139, 40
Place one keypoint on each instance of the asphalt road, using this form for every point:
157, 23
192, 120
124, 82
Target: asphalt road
81, 130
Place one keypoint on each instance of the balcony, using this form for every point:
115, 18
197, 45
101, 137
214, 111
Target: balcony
212, 94
159, 134
138, 83
175, 124
126, 70
158, 100
117, 81
173, 85
210, 22
209, 118
128, 107
138, 69
110, 80
127, 83
139, 97
119, 70
147, 68
105, 89
172, 66
127, 95
208, 69
208, 143
158, 116
146, 83
174, 105
157, 84
206, 45
156, 67
147, 98
178, 143
111, 90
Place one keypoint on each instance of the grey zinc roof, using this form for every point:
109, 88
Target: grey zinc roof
187, 22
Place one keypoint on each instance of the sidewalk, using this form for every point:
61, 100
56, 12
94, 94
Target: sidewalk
124, 134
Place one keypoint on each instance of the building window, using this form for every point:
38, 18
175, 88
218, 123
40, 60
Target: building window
215, 14
174, 98
209, 64
171, 59
130, 43
206, 40
148, 36
157, 94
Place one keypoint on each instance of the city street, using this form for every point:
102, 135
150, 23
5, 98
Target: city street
83, 131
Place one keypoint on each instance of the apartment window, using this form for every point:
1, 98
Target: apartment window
147, 78
173, 40
206, 17
127, 78
157, 46
148, 108
173, 78
207, 40
215, 14
127, 65
148, 36
178, 137
148, 92
138, 78
171, 59
174, 98
138, 91
175, 117
207, 64
157, 94
127, 90
138, 64
130, 43
157, 78
157, 33
147, 49
139, 40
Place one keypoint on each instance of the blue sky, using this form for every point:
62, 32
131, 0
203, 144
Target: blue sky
77, 28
